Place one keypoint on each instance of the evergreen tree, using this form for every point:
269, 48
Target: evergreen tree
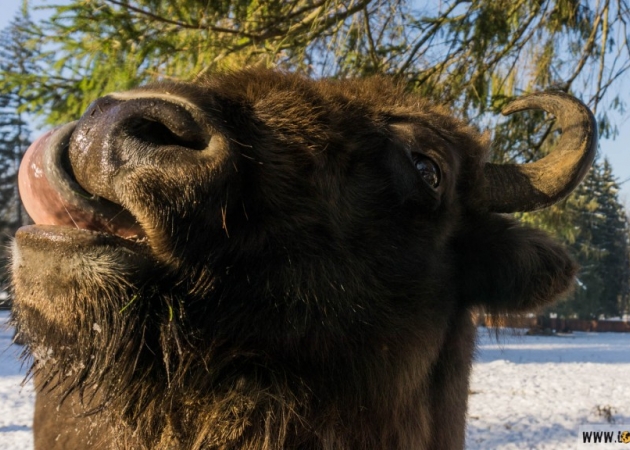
16, 56
13, 141
600, 244
612, 239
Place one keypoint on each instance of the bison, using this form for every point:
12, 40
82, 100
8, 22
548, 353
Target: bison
263, 261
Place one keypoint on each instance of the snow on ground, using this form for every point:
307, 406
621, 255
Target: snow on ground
527, 392
533, 392
16, 401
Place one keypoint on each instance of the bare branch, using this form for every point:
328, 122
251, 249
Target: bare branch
602, 56
176, 23
426, 36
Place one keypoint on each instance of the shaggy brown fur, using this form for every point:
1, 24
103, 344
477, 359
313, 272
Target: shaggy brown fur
300, 286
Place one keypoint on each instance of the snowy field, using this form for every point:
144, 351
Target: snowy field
526, 392
16, 401
533, 392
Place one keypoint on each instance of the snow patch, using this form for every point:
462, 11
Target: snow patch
16, 397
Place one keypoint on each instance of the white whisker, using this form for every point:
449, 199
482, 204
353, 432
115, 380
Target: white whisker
70, 215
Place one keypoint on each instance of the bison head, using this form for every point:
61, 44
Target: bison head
263, 261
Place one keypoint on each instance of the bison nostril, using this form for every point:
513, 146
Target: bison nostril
159, 121
120, 132
158, 134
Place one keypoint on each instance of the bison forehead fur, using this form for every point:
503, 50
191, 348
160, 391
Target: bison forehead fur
298, 271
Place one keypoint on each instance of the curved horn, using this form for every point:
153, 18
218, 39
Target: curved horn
527, 187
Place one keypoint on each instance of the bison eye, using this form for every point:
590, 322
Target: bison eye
428, 169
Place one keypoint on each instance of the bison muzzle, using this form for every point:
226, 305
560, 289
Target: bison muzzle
262, 261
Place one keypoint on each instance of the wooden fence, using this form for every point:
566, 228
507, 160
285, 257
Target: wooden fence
559, 325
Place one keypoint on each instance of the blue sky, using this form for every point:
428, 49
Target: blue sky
617, 151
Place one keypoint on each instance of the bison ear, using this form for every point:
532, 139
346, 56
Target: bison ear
505, 267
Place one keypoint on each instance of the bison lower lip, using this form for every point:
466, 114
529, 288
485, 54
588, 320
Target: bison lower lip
51, 196
65, 239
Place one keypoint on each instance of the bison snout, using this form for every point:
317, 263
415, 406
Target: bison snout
121, 132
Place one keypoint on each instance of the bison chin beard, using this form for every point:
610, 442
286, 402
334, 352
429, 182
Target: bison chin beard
96, 330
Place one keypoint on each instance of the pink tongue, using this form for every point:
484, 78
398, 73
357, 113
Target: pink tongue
55, 201
43, 204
